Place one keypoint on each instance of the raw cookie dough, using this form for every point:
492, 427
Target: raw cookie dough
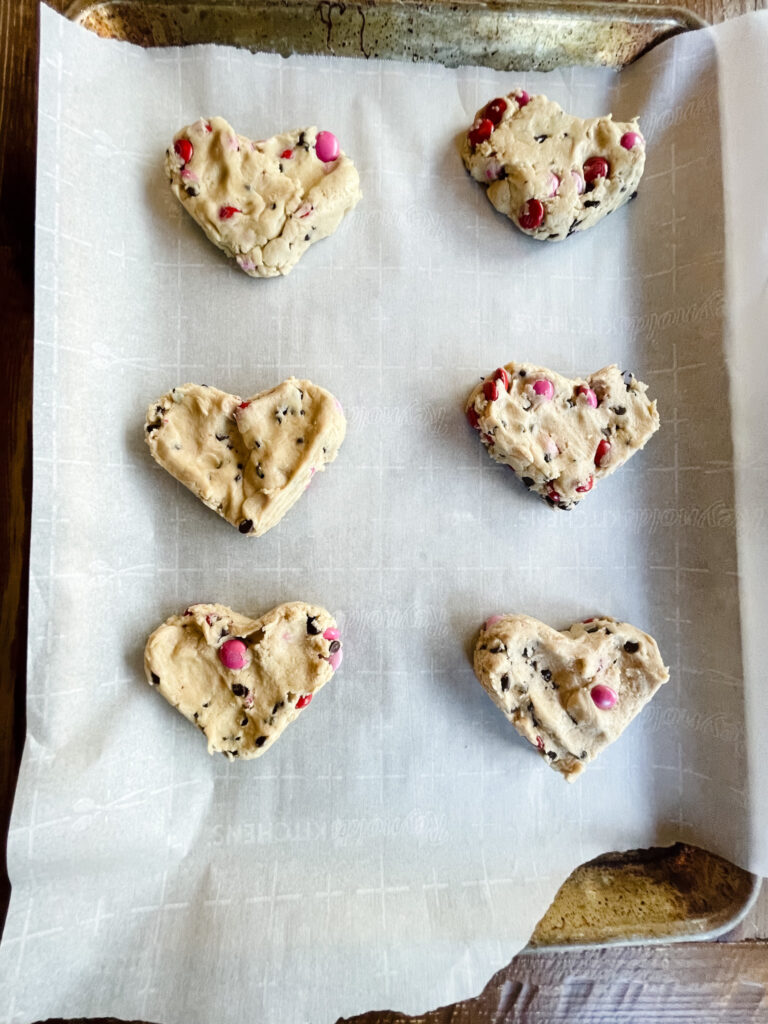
242, 681
561, 435
569, 693
249, 461
264, 203
549, 172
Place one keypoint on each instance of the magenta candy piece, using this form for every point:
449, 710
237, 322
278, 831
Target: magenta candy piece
579, 181
232, 654
545, 388
588, 394
335, 659
493, 620
603, 696
631, 139
554, 184
326, 147
331, 634
522, 97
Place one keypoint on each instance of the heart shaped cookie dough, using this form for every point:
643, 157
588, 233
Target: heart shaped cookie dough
549, 172
263, 203
249, 461
561, 435
242, 681
569, 693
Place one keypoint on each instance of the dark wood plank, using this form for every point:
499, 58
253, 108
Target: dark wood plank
18, 126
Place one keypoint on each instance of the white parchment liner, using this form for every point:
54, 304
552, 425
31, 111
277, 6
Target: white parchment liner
400, 841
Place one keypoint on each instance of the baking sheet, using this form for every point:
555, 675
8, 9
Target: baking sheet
400, 842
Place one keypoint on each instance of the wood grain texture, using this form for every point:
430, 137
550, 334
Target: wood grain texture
18, 125
722, 983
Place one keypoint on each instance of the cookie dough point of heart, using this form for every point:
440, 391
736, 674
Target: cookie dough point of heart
603, 696
233, 654
327, 147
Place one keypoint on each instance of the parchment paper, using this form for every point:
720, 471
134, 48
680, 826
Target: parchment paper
400, 841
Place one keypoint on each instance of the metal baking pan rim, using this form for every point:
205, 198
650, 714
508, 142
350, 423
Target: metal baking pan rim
593, 10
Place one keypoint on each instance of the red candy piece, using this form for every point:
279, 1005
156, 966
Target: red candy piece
227, 211
583, 488
303, 701
553, 495
494, 111
502, 375
481, 133
539, 742
474, 420
491, 390
287, 154
243, 405
596, 167
603, 696
183, 150
602, 452
531, 215
208, 128
522, 97
585, 621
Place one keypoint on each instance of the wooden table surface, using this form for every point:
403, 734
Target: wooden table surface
709, 983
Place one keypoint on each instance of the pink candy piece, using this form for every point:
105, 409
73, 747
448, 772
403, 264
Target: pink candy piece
631, 139
579, 181
545, 388
233, 654
554, 184
326, 147
188, 175
492, 621
335, 659
332, 634
603, 696
522, 97
588, 394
